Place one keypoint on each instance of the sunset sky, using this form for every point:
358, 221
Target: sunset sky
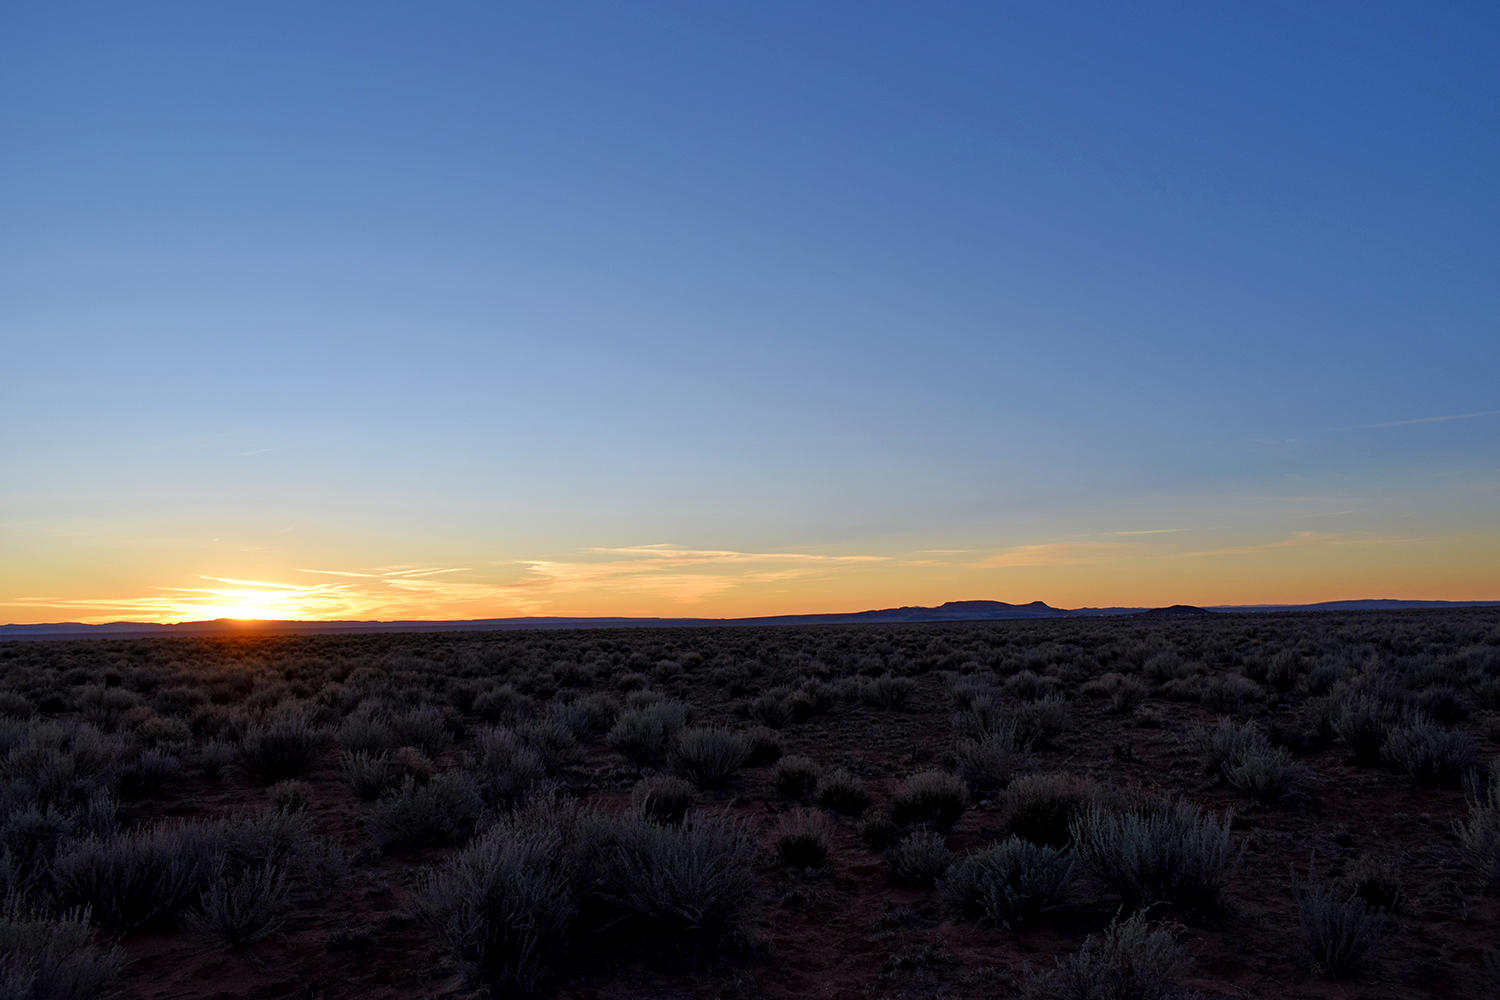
458, 310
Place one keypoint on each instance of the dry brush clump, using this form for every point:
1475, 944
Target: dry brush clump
438, 813
987, 763
663, 798
796, 776
1041, 808
920, 858
843, 792
1008, 883
1130, 960
1164, 852
1339, 929
1479, 832
802, 839
46, 957
557, 881
1243, 757
645, 735
707, 756
936, 798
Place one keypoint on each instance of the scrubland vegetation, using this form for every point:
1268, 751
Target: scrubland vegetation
1235, 806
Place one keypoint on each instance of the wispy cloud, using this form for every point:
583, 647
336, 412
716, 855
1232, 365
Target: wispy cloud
341, 572
664, 552
1423, 420
1148, 531
1056, 554
1300, 539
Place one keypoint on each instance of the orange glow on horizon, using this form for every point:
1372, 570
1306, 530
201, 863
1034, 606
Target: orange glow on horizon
666, 581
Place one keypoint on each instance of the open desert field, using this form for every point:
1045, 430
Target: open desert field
1226, 806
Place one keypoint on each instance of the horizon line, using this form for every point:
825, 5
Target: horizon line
748, 618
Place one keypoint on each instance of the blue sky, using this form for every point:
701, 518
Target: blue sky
482, 287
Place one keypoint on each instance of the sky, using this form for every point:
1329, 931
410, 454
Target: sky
474, 309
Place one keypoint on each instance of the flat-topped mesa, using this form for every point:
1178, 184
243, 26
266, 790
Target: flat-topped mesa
1175, 611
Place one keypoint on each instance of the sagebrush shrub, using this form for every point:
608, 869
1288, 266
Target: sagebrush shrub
439, 813
663, 798
215, 756
1268, 775
553, 742
934, 797
772, 708
1362, 723
413, 763
282, 747
141, 879
506, 905
1479, 832
708, 756
506, 768
291, 795
887, 691
920, 858
16, 705
1377, 881
423, 728
502, 704
1038, 723
242, 906
691, 884
644, 735
158, 733
878, 832
765, 746
148, 772
1158, 853
1231, 693
1431, 754
59, 764
52, 957
989, 763
369, 774
796, 776
981, 715
588, 715
1339, 931
1242, 756
802, 839
1130, 960
1041, 807
1008, 883
843, 792
366, 730
285, 839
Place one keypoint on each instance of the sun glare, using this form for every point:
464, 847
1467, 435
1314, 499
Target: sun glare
244, 605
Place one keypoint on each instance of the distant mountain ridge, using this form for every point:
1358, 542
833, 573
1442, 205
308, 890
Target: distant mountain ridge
951, 611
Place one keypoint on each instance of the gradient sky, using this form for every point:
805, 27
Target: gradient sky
484, 309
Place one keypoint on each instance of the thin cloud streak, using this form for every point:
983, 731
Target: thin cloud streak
1056, 554
1423, 420
664, 551
1300, 539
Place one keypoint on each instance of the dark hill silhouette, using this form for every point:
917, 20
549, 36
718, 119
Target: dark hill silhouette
1175, 611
